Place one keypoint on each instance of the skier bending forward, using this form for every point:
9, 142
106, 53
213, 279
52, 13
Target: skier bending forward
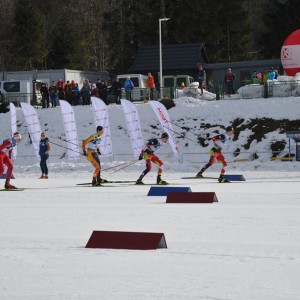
148, 155
216, 153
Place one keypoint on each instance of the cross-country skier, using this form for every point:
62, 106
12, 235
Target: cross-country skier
5, 157
91, 151
216, 153
148, 155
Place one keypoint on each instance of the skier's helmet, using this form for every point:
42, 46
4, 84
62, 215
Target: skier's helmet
229, 128
164, 135
99, 128
17, 136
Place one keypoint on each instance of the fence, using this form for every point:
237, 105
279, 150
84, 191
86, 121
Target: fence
17, 98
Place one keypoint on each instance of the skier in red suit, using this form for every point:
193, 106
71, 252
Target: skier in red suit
6, 149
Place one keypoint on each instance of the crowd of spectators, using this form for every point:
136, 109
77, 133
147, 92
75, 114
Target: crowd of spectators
74, 95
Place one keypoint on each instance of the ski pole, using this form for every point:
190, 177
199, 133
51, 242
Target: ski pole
129, 164
60, 138
66, 148
178, 133
120, 165
183, 128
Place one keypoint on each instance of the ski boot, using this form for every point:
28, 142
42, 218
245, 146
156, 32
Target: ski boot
139, 181
199, 174
9, 186
160, 181
222, 179
42, 176
94, 181
101, 180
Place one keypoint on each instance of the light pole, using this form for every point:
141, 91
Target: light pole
160, 57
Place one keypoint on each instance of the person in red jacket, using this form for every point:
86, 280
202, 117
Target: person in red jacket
5, 157
151, 85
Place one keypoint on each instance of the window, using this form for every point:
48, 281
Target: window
168, 82
181, 80
11, 87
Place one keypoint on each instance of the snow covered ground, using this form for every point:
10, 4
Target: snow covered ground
246, 246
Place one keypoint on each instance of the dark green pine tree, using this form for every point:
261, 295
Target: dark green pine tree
29, 35
61, 47
122, 23
232, 37
223, 27
281, 18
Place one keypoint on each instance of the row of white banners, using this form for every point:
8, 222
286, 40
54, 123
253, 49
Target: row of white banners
101, 117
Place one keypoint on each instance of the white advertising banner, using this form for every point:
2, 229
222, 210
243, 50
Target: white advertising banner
164, 119
68, 117
13, 124
33, 126
133, 126
101, 119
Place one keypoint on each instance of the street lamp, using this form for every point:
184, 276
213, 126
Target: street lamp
160, 57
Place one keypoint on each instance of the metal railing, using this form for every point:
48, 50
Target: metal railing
17, 98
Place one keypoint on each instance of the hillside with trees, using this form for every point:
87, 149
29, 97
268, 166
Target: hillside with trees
106, 34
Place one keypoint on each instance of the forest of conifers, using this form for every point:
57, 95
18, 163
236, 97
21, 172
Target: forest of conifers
106, 34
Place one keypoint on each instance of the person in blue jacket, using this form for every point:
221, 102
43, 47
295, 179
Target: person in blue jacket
271, 74
128, 85
44, 149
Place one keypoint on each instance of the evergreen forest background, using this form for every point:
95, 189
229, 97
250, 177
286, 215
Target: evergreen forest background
96, 35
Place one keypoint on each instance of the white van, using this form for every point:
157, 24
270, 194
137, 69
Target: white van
139, 93
18, 91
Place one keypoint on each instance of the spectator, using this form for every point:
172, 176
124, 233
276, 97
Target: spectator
68, 92
44, 148
60, 90
271, 74
95, 91
98, 84
117, 90
45, 95
201, 77
259, 76
265, 76
150, 85
103, 92
229, 78
86, 93
76, 94
128, 85
53, 94
254, 78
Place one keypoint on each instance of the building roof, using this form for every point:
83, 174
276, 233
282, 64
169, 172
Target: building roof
174, 57
252, 64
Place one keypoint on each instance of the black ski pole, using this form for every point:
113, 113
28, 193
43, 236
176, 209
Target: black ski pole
178, 133
129, 164
123, 164
60, 138
183, 128
66, 148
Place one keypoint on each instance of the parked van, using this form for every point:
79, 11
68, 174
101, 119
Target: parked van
139, 93
19, 91
173, 82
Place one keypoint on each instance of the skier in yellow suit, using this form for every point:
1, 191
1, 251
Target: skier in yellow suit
91, 151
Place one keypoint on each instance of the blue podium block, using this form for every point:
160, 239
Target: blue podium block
234, 177
3, 176
164, 190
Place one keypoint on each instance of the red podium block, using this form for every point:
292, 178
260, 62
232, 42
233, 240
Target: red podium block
194, 197
126, 240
